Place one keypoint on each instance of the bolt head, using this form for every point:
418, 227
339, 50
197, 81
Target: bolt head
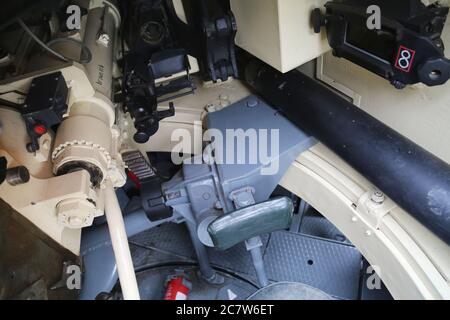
378, 197
206, 196
252, 103
75, 221
242, 199
75, 213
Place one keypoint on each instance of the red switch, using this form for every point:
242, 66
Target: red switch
40, 129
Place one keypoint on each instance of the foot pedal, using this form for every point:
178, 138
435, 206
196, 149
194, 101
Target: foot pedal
137, 164
252, 221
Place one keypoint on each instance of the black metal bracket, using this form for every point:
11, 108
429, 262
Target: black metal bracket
408, 48
44, 106
3, 169
153, 201
142, 94
209, 36
159, 45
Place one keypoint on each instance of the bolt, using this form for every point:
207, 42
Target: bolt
252, 103
242, 199
206, 196
377, 197
75, 221
210, 107
75, 213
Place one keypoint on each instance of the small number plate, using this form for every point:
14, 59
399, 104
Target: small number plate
405, 58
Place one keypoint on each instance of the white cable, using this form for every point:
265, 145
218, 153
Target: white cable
119, 240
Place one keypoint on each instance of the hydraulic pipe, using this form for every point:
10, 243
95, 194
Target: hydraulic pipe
119, 241
415, 179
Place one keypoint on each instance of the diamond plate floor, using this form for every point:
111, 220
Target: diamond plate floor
327, 265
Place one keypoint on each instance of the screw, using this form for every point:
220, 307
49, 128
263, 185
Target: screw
206, 196
252, 103
377, 197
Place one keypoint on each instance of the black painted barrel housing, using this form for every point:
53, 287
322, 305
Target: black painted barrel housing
415, 179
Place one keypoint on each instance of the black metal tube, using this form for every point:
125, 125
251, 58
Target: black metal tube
415, 179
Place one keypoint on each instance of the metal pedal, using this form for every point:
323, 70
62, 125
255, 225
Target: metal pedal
136, 163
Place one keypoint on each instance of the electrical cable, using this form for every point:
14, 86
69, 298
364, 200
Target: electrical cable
39, 41
47, 47
186, 262
227, 271
84, 49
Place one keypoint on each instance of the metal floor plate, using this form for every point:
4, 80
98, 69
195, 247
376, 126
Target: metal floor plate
327, 265
318, 226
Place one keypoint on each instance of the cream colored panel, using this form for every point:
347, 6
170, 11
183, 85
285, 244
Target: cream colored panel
420, 113
36, 201
279, 31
